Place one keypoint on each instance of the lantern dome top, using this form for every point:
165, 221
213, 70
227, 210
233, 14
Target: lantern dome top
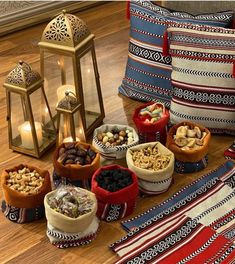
65, 29
22, 75
69, 102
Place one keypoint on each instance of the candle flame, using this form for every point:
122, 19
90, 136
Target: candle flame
27, 127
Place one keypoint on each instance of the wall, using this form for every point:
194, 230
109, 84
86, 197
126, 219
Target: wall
15, 15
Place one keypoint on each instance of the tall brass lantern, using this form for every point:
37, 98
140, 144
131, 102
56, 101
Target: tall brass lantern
30, 125
69, 122
68, 63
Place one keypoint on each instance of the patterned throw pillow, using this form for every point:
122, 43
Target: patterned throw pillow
148, 72
203, 71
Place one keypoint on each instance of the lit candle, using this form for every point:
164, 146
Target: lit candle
26, 134
62, 89
70, 139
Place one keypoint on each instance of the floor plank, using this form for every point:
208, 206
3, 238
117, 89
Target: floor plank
28, 243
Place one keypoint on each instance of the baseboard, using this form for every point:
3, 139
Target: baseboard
17, 15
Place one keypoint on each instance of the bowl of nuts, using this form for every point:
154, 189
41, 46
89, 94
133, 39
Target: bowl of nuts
76, 160
70, 209
151, 121
24, 188
188, 141
112, 141
153, 164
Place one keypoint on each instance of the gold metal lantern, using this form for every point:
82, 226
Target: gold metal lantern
30, 125
69, 122
68, 62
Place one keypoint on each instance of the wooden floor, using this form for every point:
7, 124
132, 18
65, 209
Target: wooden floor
28, 243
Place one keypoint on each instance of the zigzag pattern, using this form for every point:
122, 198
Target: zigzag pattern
146, 33
203, 73
163, 11
198, 251
63, 236
203, 41
141, 96
148, 54
148, 73
225, 255
148, 87
202, 118
227, 100
71, 244
223, 220
216, 206
204, 55
203, 189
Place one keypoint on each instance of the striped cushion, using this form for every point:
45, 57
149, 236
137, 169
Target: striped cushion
148, 72
202, 77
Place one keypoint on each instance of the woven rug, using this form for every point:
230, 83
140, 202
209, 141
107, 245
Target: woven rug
197, 225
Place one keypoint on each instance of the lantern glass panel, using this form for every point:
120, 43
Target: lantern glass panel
18, 117
91, 98
58, 72
79, 131
42, 118
65, 134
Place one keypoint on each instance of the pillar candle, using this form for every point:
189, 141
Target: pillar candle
25, 131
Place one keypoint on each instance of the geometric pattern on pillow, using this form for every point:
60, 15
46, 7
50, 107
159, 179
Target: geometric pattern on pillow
203, 77
148, 72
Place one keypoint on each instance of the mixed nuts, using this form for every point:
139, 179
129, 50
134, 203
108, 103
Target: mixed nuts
152, 113
25, 181
150, 158
187, 138
116, 137
75, 153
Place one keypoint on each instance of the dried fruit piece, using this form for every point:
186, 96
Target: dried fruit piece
181, 141
198, 131
191, 133
191, 142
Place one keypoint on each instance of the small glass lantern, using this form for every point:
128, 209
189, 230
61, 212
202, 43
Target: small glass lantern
30, 126
68, 62
69, 122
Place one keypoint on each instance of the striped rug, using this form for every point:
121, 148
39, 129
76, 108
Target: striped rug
197, 225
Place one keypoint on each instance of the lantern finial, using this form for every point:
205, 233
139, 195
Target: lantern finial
64, 11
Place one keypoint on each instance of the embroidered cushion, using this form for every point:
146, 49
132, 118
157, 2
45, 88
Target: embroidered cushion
148, 72
203, 77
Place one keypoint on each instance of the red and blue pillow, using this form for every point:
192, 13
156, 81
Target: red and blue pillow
148, 71
203, 71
